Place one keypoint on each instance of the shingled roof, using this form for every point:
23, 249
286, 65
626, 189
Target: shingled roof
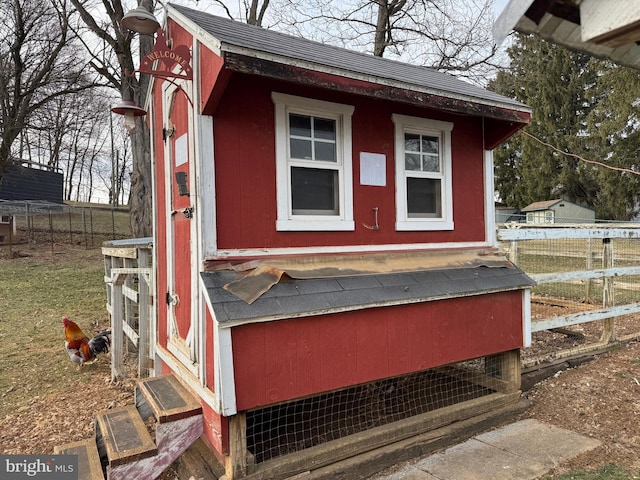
225, 35
299, 298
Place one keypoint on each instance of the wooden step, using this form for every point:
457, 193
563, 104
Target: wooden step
125, 436
168, 399
89, 467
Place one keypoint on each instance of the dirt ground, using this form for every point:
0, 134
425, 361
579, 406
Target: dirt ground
599, 398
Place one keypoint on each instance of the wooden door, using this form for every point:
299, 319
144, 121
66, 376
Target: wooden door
181, 248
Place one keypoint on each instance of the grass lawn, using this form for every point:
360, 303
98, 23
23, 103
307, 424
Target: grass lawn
36, 290
607, 472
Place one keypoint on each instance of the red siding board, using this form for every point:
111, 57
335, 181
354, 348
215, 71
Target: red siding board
245, 171
287, 359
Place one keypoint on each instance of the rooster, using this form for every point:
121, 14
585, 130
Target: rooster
80, 348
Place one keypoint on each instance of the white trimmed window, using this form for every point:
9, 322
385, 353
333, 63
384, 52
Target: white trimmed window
424, 199
313, 164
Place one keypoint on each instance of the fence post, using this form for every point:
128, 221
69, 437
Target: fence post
70, 227
117, 333
26, 210
84, 228
513, 253
588, 284
51, 230
143, 314
607, 290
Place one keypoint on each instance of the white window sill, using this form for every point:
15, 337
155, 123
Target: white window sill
315, 225
420, 225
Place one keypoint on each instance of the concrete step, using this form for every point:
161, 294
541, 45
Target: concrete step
89, 466
125, 436
167, 398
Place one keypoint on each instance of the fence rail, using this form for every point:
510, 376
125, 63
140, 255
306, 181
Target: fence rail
575, 268
130, 290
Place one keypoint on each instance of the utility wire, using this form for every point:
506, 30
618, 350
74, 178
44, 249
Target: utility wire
593, 162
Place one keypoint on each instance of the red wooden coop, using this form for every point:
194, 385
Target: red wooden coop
324, 241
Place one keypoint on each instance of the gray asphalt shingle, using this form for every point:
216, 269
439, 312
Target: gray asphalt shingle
252, 40
294, 298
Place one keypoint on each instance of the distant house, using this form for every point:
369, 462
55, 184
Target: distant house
558, 211
506, 214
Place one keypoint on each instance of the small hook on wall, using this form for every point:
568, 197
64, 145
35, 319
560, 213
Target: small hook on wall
375, 226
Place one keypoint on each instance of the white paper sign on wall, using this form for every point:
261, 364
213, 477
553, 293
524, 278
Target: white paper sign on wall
182, 153
373, 170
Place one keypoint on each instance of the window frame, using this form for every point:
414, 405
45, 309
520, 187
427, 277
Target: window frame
432, 128
286, 219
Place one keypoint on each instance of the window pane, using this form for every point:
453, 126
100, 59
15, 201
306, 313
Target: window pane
325, 151
324, 128
411, 142
300, 148
412, 161
314, 191
430, 145
300, 125
430, 163
423, 198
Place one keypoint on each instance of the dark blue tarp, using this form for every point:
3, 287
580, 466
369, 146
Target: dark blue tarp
21, 183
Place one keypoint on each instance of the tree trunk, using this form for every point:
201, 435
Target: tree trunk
140, 198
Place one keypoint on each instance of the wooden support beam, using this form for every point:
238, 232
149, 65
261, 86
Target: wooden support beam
507, 367
236, 462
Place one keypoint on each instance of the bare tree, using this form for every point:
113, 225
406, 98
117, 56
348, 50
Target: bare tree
447, 35
114, 61
39, 63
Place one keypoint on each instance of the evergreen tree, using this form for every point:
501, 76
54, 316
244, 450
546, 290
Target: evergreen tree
582, 106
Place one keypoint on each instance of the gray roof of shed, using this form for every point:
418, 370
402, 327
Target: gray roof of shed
293, 298
251, 40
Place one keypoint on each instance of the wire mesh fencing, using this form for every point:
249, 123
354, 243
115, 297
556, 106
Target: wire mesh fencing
588, 279
291, 427
43, 222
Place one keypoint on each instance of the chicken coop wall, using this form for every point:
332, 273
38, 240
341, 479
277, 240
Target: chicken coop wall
272, 441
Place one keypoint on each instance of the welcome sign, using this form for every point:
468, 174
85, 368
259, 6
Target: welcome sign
177, 58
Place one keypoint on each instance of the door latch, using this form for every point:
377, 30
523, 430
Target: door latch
172, 299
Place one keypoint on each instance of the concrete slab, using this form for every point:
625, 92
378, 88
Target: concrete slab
474, 460
409, 472
539, 441
523, 450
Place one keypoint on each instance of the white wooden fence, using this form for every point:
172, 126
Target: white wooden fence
129, 280
577, 242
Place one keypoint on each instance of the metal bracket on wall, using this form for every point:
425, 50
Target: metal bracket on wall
187, 211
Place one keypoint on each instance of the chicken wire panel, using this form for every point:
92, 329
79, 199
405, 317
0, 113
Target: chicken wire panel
550, 256
36, 222
294, 426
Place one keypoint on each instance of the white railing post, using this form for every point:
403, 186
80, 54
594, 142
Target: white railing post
608, 300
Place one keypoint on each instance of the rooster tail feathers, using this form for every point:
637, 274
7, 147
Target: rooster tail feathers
100, 343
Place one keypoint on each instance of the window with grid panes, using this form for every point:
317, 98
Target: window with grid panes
313, 164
